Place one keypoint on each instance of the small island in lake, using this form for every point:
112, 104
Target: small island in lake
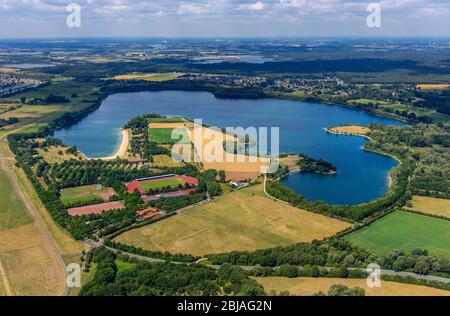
310, 165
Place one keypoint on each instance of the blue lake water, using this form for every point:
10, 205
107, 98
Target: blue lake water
362, 176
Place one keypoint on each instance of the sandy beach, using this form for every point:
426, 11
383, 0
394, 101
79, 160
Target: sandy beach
122, 151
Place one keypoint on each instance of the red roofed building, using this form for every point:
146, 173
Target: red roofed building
147, 210
150, 215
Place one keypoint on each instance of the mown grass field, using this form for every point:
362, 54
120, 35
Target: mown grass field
310, 286
161, 135
240, 220
430, 205
405, 231
12, 210
172, 182
85, 193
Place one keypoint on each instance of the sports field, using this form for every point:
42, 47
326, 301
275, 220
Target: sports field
85, 193
405, 231
429, 205
310, 286
240, 220
163, 183
161, 135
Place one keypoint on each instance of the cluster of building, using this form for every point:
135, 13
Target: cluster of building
323, 85
12, 84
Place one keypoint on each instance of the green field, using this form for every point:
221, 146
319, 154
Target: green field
405, 231
12, 210
161, 135
173, 183
85, 193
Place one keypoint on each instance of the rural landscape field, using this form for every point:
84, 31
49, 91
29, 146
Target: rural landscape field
269, 150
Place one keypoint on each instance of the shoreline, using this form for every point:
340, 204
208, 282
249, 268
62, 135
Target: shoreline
121, 150
390, 180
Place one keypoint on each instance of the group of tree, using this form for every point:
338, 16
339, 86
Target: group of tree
160, 279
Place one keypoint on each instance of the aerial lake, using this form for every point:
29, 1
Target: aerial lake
362, 176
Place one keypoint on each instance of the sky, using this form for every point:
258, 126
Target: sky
222, 18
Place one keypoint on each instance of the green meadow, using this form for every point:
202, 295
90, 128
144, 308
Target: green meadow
405, 231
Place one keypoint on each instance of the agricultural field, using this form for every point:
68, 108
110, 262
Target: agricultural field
161, 136
164, 183
29, 262
432, 86
311, 286
405, 231
85, 193
31, 111
164, 161
12, 210
240, 220
173, 119
430, 205
149, 76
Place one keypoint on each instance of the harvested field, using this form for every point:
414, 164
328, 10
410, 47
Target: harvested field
31, 111
430, 205
96, 209
28, 263
310, 286
432, 86
149, 76
85, 193
164, 161
240, 220
209, 149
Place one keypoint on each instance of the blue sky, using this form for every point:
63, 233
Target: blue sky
223, 18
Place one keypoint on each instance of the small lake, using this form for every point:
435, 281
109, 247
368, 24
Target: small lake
362, 176
28, 66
